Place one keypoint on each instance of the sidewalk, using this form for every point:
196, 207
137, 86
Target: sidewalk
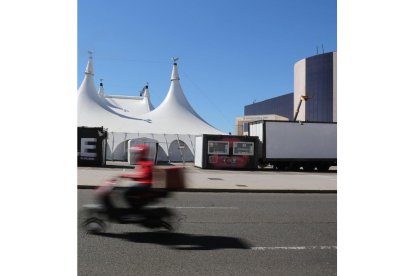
226, 181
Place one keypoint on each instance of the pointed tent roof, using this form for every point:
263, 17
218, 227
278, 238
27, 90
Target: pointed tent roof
101, 91
93, 110
174, 115
175, 112
87, 94
147, 98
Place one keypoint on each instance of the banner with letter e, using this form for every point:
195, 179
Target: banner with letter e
91, 146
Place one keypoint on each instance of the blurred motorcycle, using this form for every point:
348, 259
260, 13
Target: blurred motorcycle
111, 207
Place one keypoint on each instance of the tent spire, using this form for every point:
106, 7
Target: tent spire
89, 66
174, 75
145, 92
146, 95
101, 89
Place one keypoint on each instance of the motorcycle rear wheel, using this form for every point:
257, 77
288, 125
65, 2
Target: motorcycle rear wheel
94, 225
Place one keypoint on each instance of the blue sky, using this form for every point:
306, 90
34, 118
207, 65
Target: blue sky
231, 52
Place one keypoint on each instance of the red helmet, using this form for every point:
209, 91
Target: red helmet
141, 150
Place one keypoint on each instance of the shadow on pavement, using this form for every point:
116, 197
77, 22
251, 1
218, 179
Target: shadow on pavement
181, 241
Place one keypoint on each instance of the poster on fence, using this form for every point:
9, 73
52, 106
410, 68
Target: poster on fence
91, 146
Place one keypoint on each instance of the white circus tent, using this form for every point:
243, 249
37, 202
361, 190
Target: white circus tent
173, 124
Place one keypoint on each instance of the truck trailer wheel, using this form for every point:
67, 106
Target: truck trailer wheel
309, 167
262, 165
283, 166
323, 167
276, 166
295, 166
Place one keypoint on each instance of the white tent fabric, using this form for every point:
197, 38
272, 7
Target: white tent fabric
133, 105
171, 147
135, 115
95, 110
175, 114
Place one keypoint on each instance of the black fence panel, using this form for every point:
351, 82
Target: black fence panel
91, 146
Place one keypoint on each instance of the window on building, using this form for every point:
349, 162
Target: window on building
243, 148
245, 126
218, 147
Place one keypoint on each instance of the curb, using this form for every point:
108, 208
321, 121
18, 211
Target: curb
86, 187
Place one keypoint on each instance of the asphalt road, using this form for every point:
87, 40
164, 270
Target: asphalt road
221, 234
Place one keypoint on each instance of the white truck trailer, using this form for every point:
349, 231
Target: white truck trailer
294, 145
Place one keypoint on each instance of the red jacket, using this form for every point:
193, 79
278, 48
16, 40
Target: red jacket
143, 172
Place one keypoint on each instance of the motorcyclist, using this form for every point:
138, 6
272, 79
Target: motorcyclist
138, 194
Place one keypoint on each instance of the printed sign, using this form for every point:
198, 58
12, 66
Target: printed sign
229, 152
91, 146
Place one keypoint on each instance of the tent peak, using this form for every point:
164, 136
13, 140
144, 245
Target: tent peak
174, 74
101, 89
145, 91
89, 66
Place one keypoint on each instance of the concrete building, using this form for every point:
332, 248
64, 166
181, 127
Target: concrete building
281, 105
315, 77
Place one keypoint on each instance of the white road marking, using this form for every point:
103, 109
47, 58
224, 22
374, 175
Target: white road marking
324, 247
205, 207
197, 207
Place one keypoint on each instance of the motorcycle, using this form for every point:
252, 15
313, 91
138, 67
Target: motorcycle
112, 207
